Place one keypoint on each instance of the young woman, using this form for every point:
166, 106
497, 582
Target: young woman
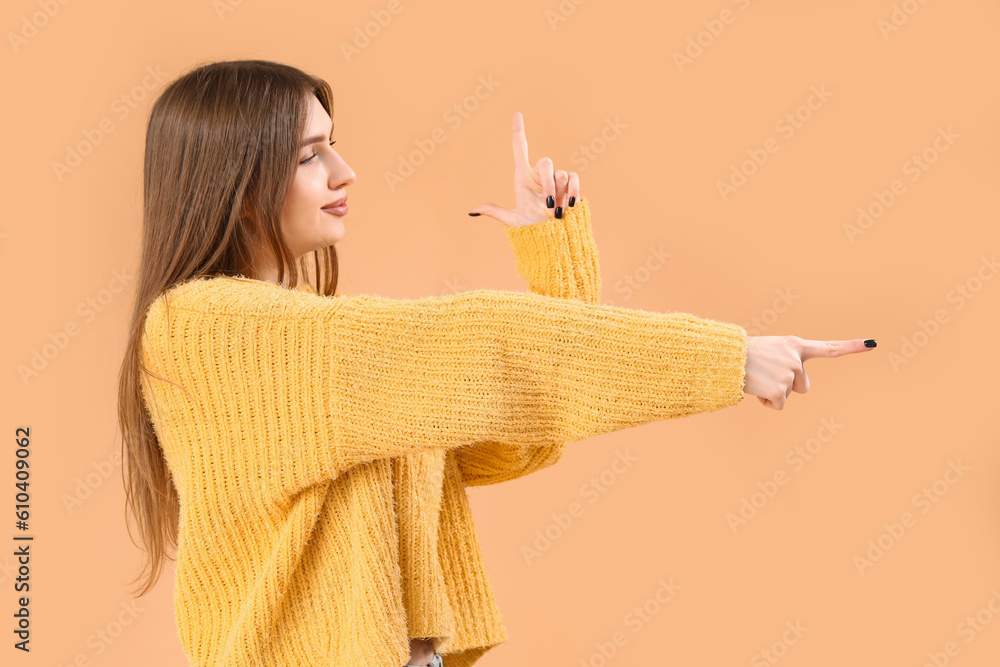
307, 453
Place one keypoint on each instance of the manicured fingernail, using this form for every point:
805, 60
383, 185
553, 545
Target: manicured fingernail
572, 200
558, 211
870, 342
474, 214
550, 202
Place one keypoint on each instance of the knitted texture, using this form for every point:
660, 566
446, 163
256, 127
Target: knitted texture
322, 446
558, 258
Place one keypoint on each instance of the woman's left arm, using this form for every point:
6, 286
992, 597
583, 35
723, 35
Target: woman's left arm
558, 258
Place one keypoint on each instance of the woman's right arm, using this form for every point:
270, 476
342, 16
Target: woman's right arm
516, 367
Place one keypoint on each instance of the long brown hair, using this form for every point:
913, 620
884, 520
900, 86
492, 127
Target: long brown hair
221, 152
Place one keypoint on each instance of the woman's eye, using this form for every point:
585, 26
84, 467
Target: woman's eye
310, 158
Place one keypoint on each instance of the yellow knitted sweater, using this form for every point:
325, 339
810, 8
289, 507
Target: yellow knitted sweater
321, 446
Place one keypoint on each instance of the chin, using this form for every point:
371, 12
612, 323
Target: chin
334, 238
329, 233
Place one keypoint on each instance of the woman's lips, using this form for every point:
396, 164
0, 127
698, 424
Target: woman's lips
337, 210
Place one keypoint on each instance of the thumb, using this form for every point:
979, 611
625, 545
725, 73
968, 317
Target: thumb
493, 211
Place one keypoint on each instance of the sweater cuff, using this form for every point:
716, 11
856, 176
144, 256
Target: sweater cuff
558, 257
729, 355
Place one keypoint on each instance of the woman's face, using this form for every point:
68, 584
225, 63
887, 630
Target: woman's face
321, 178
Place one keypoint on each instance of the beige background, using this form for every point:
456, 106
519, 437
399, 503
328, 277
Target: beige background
777, 255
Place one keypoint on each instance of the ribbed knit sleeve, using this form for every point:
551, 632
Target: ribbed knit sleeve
317, 384
516, 367
557, 257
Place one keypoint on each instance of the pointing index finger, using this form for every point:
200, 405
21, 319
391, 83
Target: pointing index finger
833, 348
520, 143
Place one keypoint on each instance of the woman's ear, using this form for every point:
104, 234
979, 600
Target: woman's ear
249, 208
248, 213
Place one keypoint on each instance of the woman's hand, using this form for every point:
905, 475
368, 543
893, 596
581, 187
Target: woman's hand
533, 187
774, 366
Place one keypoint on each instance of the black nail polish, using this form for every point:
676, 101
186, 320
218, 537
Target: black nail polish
870, 342
475, 214
550, 202
572, 200
558, 211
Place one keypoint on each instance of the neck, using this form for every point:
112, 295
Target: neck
269, 274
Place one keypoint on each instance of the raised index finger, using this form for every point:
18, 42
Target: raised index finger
520, 143
832, 348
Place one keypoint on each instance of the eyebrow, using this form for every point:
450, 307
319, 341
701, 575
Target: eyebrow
316, 138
